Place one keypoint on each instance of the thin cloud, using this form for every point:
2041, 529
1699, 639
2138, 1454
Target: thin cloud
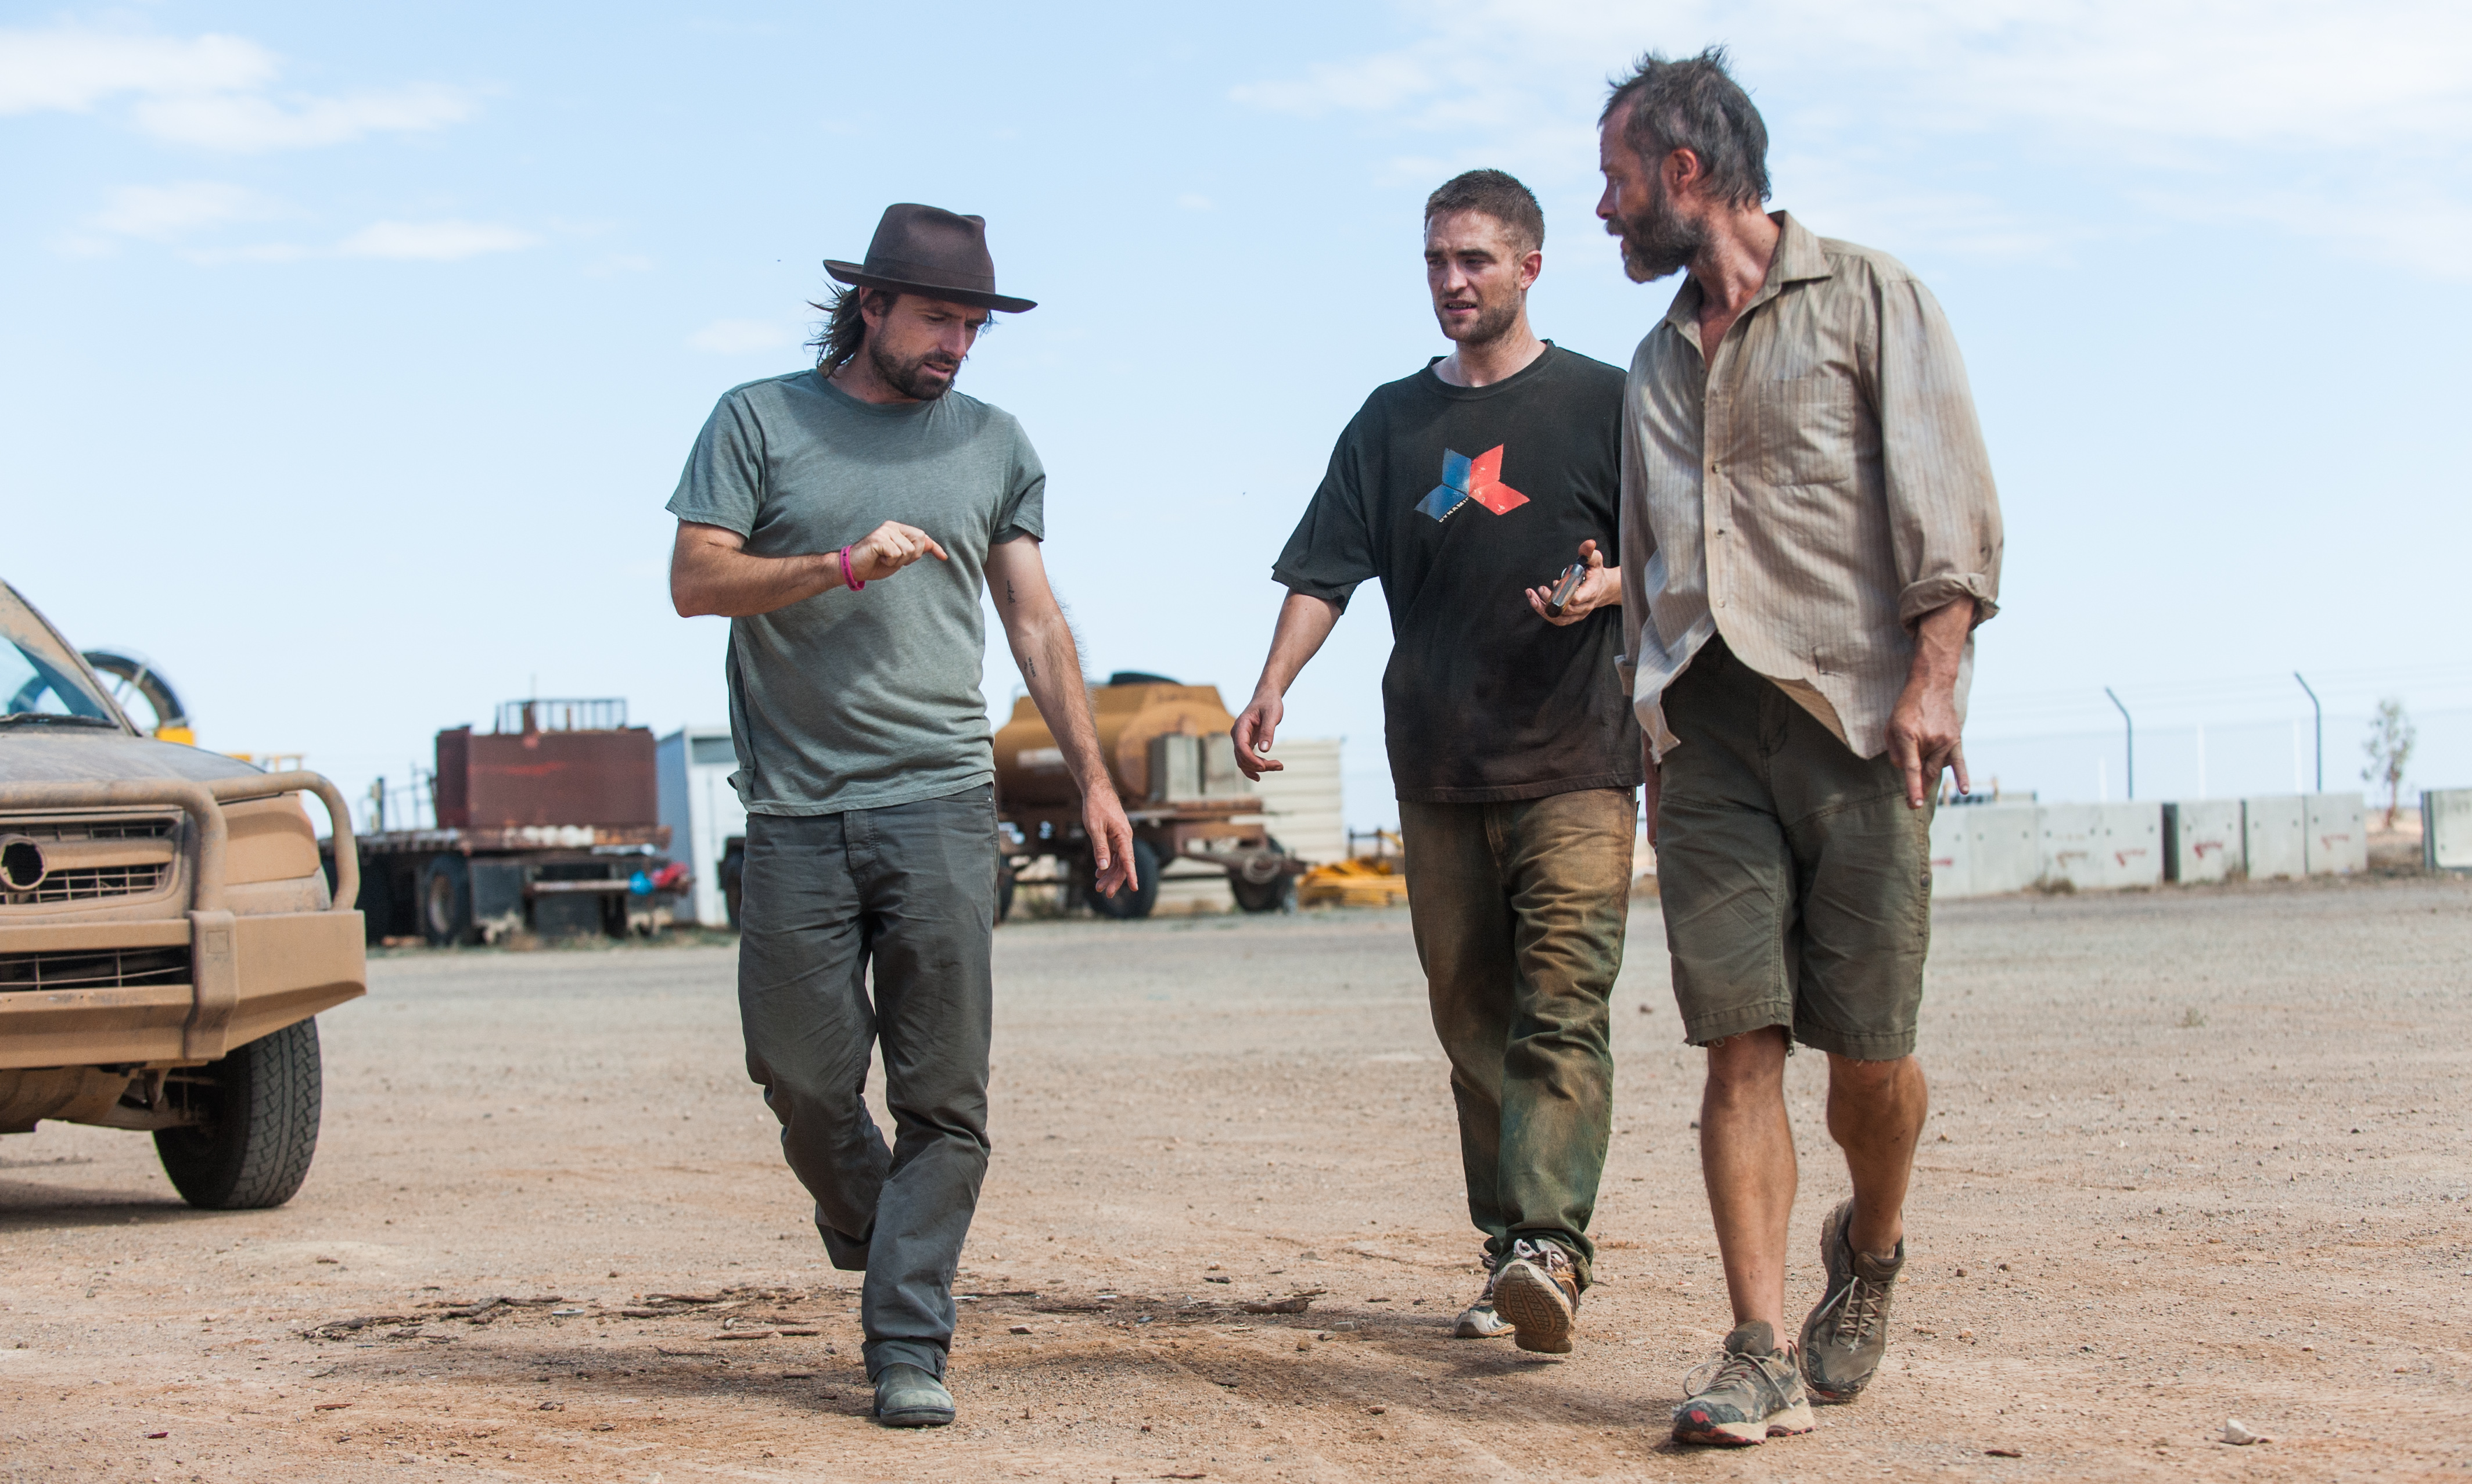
2251, 106
164, 213
243, 123
434, 242
744, 337
210, 92
72, 71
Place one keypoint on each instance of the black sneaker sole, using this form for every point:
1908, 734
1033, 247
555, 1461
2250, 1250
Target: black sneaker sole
915, 1417
1535, 1308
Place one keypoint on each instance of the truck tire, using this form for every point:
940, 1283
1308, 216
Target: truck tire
1276, 894
262, 1106
446, 901
1125, 905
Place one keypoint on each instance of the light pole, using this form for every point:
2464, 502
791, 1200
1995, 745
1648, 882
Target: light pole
2133, 741
2322, 730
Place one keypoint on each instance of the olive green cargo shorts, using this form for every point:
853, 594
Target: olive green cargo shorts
1797, 881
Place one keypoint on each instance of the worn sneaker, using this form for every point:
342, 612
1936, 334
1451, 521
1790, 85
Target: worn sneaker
1845, 1337
1537, 1289
1478, 1320
1749, 1394
907, 1396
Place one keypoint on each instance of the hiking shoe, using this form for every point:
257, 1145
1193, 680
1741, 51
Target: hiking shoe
1845, 1337
907, 1396
1478, 1320
1537, 1289
1749, 1394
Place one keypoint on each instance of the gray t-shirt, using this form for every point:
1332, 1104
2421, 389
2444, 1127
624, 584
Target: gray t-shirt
860, 700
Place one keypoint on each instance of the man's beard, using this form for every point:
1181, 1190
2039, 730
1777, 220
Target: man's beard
1658, 240
1493, 320
924, 377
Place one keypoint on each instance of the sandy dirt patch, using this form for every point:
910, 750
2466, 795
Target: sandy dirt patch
2194, 1155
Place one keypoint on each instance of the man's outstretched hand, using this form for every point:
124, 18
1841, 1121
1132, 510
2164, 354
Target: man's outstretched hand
1602, 586
889, 548
1111, 840
1253, 735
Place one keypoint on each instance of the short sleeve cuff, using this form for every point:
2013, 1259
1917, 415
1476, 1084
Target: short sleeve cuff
695, 512
1934, 593
1335, 594
1016, 533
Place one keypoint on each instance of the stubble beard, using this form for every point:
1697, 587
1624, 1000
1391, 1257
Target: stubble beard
1657, 241
921, 377
1495, 319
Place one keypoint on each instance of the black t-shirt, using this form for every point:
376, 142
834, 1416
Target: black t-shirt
1460, 499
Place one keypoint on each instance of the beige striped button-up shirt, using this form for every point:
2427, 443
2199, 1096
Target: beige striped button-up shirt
1810, 492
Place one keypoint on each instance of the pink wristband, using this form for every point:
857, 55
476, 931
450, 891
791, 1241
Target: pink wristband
849, 579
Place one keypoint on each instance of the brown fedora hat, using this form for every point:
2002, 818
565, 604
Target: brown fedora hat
926, 249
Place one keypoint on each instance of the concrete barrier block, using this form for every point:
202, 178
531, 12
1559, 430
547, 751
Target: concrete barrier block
2202, 840
2446, 828
2337, 838
1951, 862
2275, 836
2102, 847
2003, 846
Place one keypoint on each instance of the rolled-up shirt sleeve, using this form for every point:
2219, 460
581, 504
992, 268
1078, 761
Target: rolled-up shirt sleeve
1943, 508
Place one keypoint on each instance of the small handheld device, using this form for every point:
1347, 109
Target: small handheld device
1572, 576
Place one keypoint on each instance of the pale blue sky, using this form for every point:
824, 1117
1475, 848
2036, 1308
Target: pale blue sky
350, 355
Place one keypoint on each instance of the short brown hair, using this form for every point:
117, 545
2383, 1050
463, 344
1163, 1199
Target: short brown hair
1497, 194
1696, 105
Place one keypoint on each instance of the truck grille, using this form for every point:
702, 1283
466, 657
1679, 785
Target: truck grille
91, 829
88, 883
92, 970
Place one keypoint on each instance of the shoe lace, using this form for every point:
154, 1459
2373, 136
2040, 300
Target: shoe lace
1860, 1306
1754, 1371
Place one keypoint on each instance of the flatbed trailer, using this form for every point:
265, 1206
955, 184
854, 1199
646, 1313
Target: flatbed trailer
464, 886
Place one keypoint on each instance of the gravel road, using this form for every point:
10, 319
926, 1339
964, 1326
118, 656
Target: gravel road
2194, 1155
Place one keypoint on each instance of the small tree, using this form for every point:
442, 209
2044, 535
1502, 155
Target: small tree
2389, 748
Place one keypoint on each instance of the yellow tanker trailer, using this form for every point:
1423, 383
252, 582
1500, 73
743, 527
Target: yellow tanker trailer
1169, 753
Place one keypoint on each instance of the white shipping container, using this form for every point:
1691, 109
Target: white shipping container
1303, 804
2337, 840
2274, 837
693, 765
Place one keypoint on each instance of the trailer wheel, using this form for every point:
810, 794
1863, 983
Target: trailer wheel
262, 1105
446, 901
1004, 888
1278, 893
1134, 901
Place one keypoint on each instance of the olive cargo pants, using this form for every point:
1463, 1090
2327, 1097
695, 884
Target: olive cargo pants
909, 890
1519, 910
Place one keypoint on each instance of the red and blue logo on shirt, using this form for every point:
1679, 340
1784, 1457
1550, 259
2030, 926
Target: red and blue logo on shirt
1466, 479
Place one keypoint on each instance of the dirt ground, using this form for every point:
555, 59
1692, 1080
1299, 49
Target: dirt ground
2194, 1155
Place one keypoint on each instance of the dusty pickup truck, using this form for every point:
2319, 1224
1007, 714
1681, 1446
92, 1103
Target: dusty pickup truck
167, 932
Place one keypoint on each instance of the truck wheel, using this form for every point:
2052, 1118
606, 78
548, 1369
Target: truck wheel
262, 1104
1278, 893
1004, 889
1133, 902
446, 901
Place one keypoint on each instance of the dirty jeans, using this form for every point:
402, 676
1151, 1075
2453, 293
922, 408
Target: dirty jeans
909, 890
1518, 910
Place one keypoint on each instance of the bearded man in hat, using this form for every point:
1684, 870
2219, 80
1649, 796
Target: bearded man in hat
865, 756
